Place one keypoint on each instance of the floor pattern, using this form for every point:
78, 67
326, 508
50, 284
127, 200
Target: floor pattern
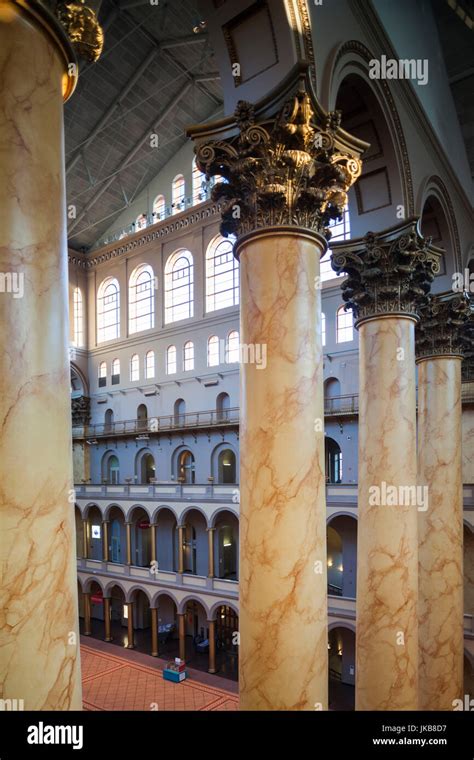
111, 682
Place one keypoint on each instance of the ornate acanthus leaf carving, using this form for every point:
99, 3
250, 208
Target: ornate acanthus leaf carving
80, 411
440, 329
468, 346
387, 273
82, 27
285, 170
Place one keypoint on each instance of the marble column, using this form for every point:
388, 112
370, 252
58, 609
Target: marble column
153, 527
130, 630
283, 185
40, 661
440, 525
210, 549
128, 527
387, 553
182, 635
283, 589
212, 646
105, 540
181, 530
107, 618
85, 539
154, 631
87, 614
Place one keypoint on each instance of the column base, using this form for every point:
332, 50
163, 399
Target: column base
87, 633
155, 654
130, 646
213, 672
109, 640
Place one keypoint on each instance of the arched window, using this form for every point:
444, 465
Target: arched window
108, 310
149, 364
232, 347
116, 372
186, 467
171, 360
323, 328
179, 278
333, 461
213, 351
108, 421
226, 466
222, 406
142, 417
140, 222
177, 194
222, 274
332, 395
102, 374
78, 318
147, 468
141, 299
113, 472
159, 208
199, 184
134, 368
340, 230
179, 411
344, 329
188, 356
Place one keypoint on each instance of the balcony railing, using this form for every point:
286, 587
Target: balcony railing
336, 406
188, 420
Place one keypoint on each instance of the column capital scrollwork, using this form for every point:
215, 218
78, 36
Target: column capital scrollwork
440, 331
468, 347
81, 26
388, 273
284, 164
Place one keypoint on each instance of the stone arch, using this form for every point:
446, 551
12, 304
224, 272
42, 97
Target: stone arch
223, 603
192, 598
86, 584
435, 187
136, 587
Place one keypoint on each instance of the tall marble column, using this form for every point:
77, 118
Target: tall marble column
387, 274
154, 631
107, 618
182, 635
39, 620
288, 168
440, 525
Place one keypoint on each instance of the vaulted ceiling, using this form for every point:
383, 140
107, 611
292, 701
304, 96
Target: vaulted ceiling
156, 75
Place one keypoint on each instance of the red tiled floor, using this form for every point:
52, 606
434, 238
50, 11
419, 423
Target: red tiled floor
113, 682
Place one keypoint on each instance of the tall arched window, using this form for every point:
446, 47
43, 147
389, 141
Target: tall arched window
222, 406
149, 364
213, 351
179, 411
226, 466
232, 347
340, 230
199, 184
171, 360
186, 467
113, 470
78, 318
344, 329
188, 356
177, 194
323, 328
115, 371
108, 310
222, 274
108, 420
102, 374
179, 280
141, 299
159, 208
134, 368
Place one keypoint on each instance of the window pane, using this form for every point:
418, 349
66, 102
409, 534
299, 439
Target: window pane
141, 296
222, 274
171, 360
179, 274
213, 351
108, 311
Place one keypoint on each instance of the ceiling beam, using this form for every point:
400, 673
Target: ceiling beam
130, 155
111, 109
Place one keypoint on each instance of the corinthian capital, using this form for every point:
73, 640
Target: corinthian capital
388, 273
284, 161
440, 329
468, 346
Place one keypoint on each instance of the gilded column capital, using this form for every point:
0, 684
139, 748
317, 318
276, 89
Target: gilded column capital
388, 273
80, 23
284, 161
440, 329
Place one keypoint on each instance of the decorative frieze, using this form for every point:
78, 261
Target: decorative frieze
440, 329
387, 273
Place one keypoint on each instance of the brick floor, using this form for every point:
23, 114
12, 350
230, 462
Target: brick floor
123, 682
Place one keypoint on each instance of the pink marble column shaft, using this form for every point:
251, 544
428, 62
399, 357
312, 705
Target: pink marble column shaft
39, 660
283, 657
440, 533
387, 554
